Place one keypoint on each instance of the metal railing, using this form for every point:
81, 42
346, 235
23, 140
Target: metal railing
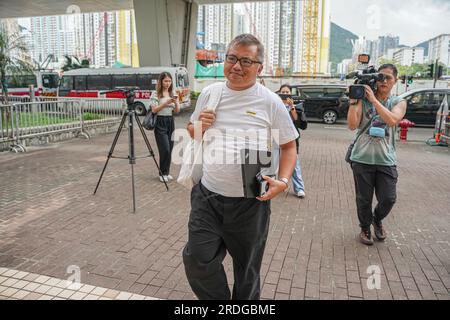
51, 116
6, 127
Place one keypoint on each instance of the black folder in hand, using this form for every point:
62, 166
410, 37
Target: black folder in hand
252, 163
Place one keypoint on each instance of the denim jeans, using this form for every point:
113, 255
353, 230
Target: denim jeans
297, 179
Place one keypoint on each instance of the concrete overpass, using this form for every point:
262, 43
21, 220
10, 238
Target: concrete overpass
166, 29
26, 8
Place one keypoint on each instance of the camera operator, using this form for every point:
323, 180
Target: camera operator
373, 158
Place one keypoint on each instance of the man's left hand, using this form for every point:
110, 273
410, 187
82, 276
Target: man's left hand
275, 188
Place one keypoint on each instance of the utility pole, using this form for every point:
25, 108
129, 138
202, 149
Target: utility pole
106, 40
436, 72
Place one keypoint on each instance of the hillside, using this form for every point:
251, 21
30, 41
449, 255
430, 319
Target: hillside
340, 45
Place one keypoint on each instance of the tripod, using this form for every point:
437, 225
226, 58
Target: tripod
129, 113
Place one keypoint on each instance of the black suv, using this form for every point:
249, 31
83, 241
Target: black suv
326, 102
423, 104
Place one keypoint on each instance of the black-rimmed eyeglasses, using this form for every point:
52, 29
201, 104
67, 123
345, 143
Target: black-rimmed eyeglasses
245, 62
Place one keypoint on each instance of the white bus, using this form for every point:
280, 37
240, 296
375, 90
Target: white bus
45, 84
89, 83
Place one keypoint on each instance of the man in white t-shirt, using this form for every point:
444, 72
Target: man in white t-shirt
249, 116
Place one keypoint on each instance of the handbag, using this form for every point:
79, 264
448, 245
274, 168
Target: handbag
191, 171
348, 155
149, 122
302, 121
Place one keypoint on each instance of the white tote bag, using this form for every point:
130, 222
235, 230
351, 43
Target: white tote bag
192, 167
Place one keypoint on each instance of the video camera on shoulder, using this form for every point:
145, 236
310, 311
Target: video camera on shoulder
367, 76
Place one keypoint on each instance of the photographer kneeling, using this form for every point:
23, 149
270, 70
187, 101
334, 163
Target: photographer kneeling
373, 158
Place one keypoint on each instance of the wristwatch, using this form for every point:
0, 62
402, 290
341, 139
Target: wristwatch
285, 180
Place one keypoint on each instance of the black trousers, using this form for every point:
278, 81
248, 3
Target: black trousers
219, 224
164, 129
381, 180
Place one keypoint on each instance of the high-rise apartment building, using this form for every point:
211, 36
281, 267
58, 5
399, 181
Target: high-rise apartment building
103, 38
439, 48
278, 24
264, 19
365, 46
52, 35
126, 40
95, 37
215, 22
409, 56
384, 43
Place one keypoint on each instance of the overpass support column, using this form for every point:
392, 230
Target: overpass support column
166, 32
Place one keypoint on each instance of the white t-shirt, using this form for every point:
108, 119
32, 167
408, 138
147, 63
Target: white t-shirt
252, 119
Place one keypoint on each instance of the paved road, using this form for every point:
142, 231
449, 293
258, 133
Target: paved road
49, 220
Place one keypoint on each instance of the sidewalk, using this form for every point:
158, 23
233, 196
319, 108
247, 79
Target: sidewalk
49, 220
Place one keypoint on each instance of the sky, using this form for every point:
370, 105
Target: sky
414, 21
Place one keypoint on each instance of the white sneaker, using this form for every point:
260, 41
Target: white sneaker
169, 177
301, 194
163, 179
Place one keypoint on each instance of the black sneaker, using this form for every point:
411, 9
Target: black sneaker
366, 237
379, 231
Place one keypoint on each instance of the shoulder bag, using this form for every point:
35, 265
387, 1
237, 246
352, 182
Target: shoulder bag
191, 171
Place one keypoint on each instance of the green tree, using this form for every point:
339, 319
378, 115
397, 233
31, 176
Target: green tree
417, 70
12, 48
73, 62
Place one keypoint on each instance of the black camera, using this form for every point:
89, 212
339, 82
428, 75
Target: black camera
368, 76
128, 92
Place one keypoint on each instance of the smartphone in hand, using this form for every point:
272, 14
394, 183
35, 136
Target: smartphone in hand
284, 97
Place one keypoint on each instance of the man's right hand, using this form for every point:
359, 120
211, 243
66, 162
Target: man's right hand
207, 118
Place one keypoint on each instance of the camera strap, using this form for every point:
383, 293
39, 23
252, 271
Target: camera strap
363, 130
388, 106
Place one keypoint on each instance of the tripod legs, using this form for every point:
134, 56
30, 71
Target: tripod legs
131, 157
113, 146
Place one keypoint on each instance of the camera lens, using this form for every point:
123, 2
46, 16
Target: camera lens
357, 92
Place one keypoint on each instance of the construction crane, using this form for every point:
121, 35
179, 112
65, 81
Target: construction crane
310, 37
252, 22
96, 39
254, 29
